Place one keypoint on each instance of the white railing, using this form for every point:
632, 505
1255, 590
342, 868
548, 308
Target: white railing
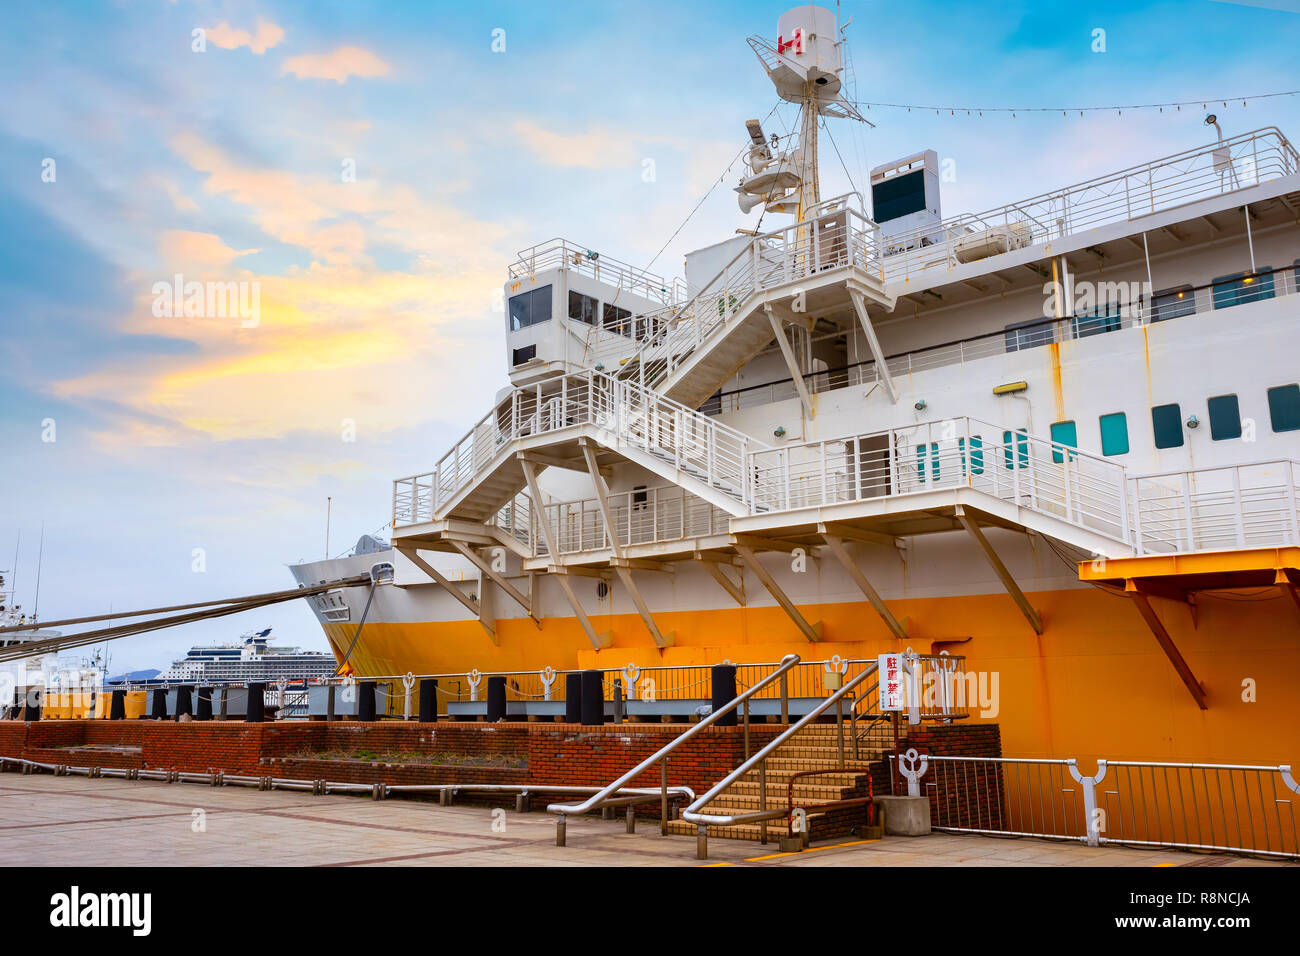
641, 516
1206, 171
842, 237
560, 253
629, 417
1214, 509
1032, 472
1175, 304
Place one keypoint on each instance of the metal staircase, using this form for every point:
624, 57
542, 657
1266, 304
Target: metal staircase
812, 748
701, 344
484, 471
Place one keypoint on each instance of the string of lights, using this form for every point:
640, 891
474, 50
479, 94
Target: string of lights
1204, 103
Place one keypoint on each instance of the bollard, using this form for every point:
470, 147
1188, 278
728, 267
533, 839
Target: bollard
117, 706
204, 711
631, 818
329, 703
618, 700
32, 706
255, 711
572, 699
522, 803
366, 700
724, 692
560, 826
593, 698
496, 699
184, 701
224, 710
428, 701
158, 710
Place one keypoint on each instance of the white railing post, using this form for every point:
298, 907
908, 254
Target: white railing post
1187, 510
1236, 509
1124, 515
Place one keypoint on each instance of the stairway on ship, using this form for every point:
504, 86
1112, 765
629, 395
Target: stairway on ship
812, 748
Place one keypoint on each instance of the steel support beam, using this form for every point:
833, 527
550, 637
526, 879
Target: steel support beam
611, 533
882, 369
795, 373
499, 580
737, 591
811, 631
842, 555
1282, 580
1000, 569
1143, 602
598, 641
474, 607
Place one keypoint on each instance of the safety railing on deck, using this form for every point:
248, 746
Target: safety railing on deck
560, 253
1012, 465
841, 237
1237, 162
629, 415
641, 516
1236, 506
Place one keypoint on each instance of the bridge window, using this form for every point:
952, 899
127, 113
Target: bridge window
530, 308
1064, 434
1167, 425
617, 320
582, 307
1243, 287
1225, 418
1028, 335
1172, 303
1284, 408
1114, 434
976, 454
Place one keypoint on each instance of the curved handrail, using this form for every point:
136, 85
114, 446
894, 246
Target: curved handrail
591, 803
692, 813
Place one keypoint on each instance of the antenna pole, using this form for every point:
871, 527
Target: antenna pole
328, 500
40, 557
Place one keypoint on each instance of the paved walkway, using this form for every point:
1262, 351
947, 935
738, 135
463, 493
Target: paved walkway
77, 821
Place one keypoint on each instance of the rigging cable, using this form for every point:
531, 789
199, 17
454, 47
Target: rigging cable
1013, 110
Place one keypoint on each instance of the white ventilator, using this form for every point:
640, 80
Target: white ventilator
805, 67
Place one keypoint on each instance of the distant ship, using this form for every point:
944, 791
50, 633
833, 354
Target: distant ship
251, 658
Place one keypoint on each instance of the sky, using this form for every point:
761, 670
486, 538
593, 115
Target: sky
372, 168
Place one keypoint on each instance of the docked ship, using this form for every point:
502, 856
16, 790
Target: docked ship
252, 658
62, 685
1058, 437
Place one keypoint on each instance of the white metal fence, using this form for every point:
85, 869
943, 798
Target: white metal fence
1240, 808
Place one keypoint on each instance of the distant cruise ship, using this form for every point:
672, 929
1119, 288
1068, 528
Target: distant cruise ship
251, 658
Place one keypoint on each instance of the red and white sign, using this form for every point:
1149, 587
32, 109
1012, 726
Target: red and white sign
890, 678
793, 45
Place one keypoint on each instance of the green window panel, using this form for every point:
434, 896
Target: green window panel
1015, 455
1114, 434
1225, 418
1064, 433
1284, 408
933, 449
1167, 425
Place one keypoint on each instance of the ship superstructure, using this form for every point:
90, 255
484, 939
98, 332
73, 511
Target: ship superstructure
252, 658
1061, 435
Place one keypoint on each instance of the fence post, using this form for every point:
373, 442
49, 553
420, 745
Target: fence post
907, 766
1091, 820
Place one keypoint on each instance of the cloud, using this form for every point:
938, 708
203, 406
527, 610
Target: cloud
337, 65
601, 148
268, 35
197, 251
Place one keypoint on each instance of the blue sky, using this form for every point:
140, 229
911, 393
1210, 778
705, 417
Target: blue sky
377, 294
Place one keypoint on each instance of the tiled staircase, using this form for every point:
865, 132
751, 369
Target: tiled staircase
812, 748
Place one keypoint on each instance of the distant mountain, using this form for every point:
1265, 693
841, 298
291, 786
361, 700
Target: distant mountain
132, 676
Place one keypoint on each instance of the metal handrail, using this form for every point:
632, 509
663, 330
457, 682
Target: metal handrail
692, 813
597, 800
